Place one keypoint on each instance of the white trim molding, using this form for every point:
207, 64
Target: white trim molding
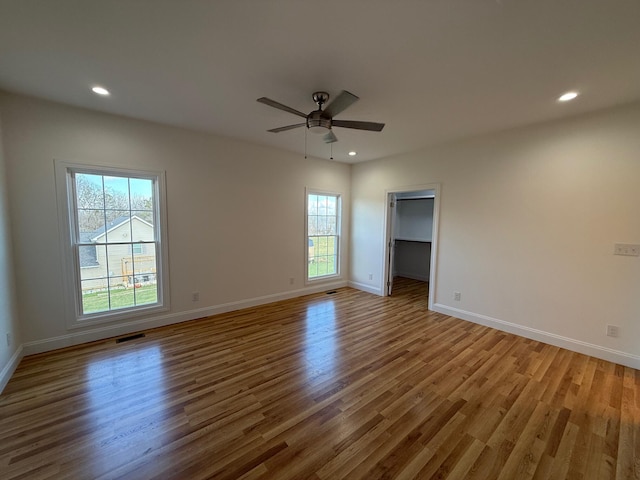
10, 367
366, 288
574, 345
387, 234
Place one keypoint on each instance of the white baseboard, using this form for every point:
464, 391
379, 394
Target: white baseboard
10, 367
412, 276
574, 345
123, 328
366, 288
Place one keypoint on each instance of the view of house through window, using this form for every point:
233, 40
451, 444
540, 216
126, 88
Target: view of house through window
116, 241
323, 214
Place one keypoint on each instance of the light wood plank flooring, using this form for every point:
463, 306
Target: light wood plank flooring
346, 385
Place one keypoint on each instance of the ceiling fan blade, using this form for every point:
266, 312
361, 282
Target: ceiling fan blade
330, 137
279, 106
373, 126
288, 127
341, 102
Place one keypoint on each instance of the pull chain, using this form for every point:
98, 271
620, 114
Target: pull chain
331, 146
305, 143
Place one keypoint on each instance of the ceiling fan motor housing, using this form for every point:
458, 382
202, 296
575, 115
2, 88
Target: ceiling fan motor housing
318, 122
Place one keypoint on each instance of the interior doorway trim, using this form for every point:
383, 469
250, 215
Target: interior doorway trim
389, 197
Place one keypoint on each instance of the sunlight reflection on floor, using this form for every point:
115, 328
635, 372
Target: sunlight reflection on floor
131, 382
320, 342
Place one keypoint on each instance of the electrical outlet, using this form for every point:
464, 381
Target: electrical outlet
371, 276
613, 330
195, 297
8, 339
457, 296
291, 280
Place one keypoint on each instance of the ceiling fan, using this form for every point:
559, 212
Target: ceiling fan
322, 120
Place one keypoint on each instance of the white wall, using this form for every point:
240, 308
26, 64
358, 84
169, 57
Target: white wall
235, 212
414, 219
9, 354
412, 260
528, 219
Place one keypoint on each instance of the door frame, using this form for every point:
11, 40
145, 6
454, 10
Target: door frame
389, 196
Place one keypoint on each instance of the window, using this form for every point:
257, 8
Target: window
108, 274
323, 235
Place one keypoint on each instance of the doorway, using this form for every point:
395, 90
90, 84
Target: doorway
412, 236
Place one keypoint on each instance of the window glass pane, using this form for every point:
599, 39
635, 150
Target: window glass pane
312, 226
89, 193
332, 264
331, 245
116, 191
322, 231
312, 204
120, 295
331, 206
88, 261
118, 228
321, 246
146, 293
322, 205
143, 275
144, 215
142, 228
312, 249
145, 263
321, 221
141, 194
331, 225
94, 298
89, 224
119, 262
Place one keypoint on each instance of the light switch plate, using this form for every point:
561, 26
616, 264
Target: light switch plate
626, 249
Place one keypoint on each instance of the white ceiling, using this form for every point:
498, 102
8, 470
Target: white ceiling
432, 70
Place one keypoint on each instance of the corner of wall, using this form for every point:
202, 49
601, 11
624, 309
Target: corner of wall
10, 338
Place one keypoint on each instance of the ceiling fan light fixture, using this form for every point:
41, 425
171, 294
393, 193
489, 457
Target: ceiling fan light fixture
317, 122
352, 153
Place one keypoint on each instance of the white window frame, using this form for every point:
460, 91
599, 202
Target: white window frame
65, 190
332, 276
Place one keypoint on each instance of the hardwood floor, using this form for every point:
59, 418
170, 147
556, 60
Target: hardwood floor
328, 386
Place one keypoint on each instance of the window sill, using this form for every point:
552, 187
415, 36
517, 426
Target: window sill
115, 316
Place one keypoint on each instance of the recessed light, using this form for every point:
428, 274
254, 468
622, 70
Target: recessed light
353, 154
567, 96
100, 90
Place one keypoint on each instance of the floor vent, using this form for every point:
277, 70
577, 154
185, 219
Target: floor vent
331, 292
130, 337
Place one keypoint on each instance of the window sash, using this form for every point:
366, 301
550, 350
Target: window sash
77, 276
322, 227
